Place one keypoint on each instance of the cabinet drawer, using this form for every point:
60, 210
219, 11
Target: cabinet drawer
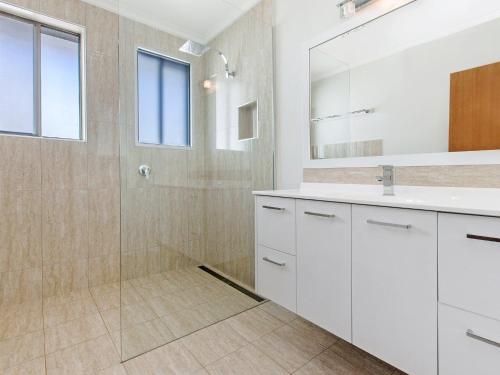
463, 353
276, 223
324, 265
276, 277
469, 263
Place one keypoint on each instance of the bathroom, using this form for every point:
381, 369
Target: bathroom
249, 187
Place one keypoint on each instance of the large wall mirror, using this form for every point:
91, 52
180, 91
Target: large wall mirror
409, 82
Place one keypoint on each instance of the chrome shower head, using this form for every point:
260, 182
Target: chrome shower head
194, 48
198, 50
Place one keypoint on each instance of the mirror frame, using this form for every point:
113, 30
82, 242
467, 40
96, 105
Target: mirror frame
372, 13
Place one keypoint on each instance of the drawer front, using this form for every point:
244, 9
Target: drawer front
469, 268
276, 223
276, 277
324, 265
394, 286
463, 353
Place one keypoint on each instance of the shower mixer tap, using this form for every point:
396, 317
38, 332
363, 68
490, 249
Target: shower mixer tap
145, 171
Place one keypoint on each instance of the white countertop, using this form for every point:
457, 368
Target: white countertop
475, 201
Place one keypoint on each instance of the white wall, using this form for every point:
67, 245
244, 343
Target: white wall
296, 22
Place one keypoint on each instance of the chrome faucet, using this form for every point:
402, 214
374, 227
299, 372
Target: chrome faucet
387, 179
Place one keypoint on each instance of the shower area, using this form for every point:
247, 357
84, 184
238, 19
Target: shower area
187, 222
139, 230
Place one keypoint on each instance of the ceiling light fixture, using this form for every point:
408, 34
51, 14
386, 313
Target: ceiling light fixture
348, 8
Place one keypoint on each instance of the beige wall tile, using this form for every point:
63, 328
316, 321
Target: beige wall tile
102, 88
478, 176
64, 164
21, 286
64, 225
104, 222
21, 166
104, 270
20, 229
60, 279
68, 10
102, 31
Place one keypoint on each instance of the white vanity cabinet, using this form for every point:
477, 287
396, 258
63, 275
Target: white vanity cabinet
469, 295
369, 274
324, 265
394, 286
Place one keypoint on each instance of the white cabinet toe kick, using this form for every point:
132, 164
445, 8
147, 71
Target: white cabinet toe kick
370, 275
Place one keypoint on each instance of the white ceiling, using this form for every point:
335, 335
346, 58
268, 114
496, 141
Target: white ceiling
200, 20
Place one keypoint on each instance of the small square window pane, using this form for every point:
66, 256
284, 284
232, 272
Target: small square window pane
16, 76
163, 100
60, 84
149, 86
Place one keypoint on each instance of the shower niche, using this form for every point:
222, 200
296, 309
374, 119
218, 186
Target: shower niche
248, 125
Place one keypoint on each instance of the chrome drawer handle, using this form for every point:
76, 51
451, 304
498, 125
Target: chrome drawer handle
318, 214
475, 336
273, 208
483, 238
375, 222
266, 259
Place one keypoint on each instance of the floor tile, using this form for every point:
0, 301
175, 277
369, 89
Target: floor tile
214, 342
21, 349
115, 370
145, 336
289, 347
172, 359
278, 312
84, 358
34, 367
323, 337
360, 359
246, 361
57, 314
254, 323
328, 363
74, 332
184, 322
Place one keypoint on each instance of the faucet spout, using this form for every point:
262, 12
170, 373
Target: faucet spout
387, 179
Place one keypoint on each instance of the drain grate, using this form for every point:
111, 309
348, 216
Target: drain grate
232, 284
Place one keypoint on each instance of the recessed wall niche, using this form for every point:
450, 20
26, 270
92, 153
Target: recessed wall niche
248, 121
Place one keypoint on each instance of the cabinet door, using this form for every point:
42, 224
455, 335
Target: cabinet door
324, 265
394, 288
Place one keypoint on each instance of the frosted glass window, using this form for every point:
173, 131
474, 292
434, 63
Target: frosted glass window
16, 76
40, 79
60, 84
163, 100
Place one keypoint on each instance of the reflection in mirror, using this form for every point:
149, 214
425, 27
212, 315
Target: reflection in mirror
391, 87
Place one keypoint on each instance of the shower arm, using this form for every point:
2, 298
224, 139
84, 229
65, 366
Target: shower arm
229, 74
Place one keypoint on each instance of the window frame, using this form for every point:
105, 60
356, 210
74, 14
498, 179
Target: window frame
39, 22
189, 146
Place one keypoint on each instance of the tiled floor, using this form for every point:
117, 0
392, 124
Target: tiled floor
79, 334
